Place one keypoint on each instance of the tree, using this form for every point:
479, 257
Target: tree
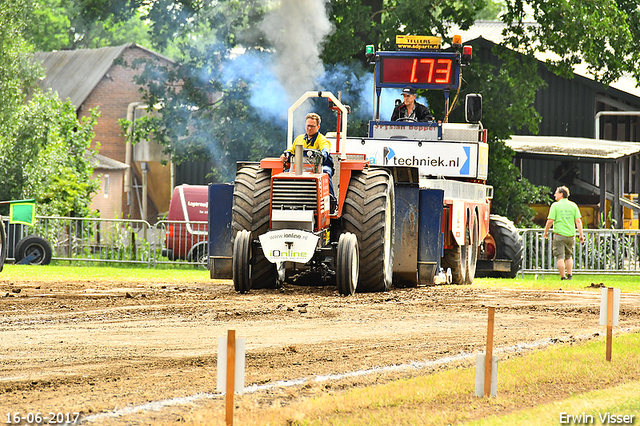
207, 113
78, 24
603, 34
43, 149
17, 73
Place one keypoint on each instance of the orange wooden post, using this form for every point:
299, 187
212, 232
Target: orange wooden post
231, 373
488, 360
609, 322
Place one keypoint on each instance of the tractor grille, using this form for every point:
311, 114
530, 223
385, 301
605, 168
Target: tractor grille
294, 195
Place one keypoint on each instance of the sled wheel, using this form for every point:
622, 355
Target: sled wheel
347, 264
36, 246
472, 242
242, 262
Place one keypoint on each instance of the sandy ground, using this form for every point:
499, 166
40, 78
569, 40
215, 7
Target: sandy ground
95, 347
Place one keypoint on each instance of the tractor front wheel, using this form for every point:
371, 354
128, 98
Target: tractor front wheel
347, 264
242, 262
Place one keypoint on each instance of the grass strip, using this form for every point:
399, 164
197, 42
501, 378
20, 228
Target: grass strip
590, 407
552, 282
551, 381
54, 273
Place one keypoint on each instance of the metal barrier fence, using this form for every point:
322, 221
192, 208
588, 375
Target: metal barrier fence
116, 240
605, 251
186, 243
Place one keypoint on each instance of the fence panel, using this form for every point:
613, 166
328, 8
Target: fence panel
94, 239
604, 251
183, 242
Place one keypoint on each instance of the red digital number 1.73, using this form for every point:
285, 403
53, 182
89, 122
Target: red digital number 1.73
445, 72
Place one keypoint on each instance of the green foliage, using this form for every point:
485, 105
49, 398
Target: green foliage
46, 156
512, 193
359, 23
17, 73
604, 34
76, 24
203, 115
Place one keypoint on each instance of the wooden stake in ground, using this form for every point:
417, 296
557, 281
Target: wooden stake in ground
609, 322
488, 360
231, 373
609, 314
487, 364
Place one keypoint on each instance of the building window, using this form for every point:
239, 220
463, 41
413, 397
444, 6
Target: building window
105, 190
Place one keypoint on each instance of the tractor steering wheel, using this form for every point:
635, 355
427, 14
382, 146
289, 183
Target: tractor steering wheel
314, 158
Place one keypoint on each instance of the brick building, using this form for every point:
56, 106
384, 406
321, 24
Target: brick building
92, 78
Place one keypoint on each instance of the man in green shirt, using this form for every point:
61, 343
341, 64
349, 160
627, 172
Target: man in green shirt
565, 216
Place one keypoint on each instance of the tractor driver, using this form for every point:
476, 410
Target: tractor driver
313, 139
410, 109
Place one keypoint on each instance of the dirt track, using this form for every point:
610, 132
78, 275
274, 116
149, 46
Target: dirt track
93, 347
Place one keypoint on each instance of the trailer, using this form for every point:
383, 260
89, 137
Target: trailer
413, 206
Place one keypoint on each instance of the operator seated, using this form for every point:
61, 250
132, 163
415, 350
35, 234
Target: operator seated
313, 139
411, 110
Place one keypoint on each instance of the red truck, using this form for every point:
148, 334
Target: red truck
187, 224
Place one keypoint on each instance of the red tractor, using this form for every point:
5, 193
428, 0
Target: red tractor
413, 204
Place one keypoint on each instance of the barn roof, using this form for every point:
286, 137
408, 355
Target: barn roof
75, 73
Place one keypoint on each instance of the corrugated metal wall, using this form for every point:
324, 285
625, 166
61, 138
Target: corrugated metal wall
567, 107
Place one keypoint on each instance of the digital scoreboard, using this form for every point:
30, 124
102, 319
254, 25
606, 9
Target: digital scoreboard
420, 70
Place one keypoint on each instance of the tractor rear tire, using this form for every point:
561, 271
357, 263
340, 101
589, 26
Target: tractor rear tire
508, 244
251, 212
368, 213
347, 264
242, 262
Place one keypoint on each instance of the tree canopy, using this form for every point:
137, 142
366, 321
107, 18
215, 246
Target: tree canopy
240, 63
43, 149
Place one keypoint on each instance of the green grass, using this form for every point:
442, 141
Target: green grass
127, 272
532, 390
627, 283
118, 272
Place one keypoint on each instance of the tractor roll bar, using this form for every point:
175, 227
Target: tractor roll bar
319, 94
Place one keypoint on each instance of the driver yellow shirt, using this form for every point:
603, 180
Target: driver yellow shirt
318, 141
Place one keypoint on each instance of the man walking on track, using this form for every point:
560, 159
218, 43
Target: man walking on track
565, 216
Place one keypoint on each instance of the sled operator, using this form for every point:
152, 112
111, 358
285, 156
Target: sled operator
411, 110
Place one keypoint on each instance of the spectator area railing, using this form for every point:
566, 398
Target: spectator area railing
605, 251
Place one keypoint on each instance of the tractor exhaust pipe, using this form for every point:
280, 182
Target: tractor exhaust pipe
297, 161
